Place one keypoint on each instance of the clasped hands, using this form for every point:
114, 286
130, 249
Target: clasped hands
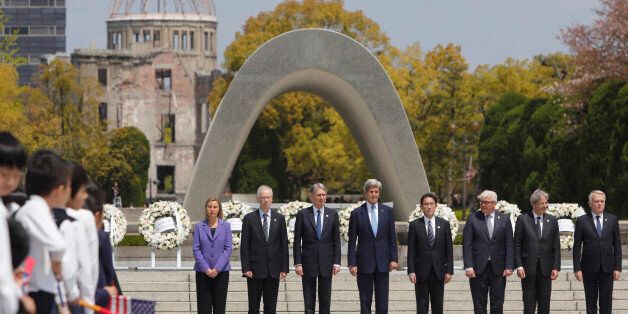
299, 270
391, 266
249, 274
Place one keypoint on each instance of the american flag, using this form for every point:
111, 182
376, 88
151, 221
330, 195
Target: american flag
121, 304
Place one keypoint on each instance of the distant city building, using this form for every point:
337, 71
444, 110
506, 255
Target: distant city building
157, 73
40, 29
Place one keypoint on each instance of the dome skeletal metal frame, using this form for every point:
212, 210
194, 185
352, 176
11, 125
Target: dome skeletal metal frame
122, 8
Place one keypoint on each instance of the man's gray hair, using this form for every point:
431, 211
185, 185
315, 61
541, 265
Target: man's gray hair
317, 186
596, 192
487, 193
263, 188
536, 196
372, 183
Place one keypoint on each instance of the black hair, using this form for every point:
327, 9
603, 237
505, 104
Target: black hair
431, 195
17, 197
95, 200
46, 171
18, 237
12, 153
79, 178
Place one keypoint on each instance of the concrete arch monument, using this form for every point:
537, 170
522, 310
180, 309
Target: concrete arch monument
341, 71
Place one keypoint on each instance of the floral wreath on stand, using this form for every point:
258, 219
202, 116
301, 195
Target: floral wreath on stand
290, 211
165, 225
509, 209
343, 216
115, 223
567, 215
442, 211
234, 212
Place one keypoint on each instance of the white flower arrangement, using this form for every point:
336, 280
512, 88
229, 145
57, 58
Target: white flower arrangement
568, 212
509, 209
290, 211
115, 222
235, 241
343, 217
235, 209
442, 211
171, 238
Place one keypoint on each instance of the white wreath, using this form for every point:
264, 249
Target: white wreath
442, 211
165, 225
567, 215
115, 223
509, 209
290, 211
343, 216
234, 212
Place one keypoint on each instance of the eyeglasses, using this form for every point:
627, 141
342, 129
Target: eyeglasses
428, 204
486, 202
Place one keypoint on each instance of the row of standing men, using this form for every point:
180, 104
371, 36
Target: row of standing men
490, 251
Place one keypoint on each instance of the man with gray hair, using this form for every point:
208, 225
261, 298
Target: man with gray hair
264, 252
537, 253
599, 262
488, 254
316, 249
372, 227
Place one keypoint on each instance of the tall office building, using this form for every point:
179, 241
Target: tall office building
40, 29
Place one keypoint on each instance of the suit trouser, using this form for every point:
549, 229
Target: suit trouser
44, 302
601, 284
536, 289
324, 293
432, 289
485, 283
366, 282
211, 293
262, 287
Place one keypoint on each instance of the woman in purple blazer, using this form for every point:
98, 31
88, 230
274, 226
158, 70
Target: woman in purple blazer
212, 249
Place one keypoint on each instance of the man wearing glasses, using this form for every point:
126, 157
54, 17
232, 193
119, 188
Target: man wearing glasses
488, 254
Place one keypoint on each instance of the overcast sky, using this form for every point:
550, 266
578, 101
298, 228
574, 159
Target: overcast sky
488, 30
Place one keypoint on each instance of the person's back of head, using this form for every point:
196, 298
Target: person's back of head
95, 202
12, 153
46, 171
80, 180
19, 241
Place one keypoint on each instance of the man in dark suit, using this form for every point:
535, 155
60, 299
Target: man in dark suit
373, 228
264, 252
430, 256
316, 249
488, 254
537, 254
599, 262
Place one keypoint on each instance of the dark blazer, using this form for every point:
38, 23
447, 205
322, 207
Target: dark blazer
106, 271
597, 252
264, 259
316, 256
372, 253
421, 256
477, 246
529, 248
212, 251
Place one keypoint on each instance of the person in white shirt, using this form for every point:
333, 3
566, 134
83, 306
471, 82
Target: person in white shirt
48, 185
12, 161
88, 277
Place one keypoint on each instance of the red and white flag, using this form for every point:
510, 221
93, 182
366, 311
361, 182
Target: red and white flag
121, 304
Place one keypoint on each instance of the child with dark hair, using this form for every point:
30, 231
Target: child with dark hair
106, 274
12, 160
88, 277
48, 186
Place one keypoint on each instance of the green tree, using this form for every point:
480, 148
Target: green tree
8, 49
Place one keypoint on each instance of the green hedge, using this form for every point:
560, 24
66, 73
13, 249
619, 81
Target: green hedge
133, 240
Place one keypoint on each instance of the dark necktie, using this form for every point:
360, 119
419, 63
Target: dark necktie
319, 224
598, 226
538, 226
430, 233
265, 227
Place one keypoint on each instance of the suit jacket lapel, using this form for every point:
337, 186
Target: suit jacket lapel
365, 213
207, 230
273, 226
257, 222
422, 232
381, 221
590, 218
326, 222
309, 216
533, 222
482, 220
546, 226
605, 225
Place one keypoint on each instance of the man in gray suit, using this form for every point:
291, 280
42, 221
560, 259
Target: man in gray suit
537, 253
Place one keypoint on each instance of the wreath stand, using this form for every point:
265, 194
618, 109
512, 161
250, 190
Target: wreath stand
153, 262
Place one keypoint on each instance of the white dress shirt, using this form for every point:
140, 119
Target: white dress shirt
88, 281
595, 221
75, 260
9, 292
433, 220
316, 216
540, 221
369, 207
46, 243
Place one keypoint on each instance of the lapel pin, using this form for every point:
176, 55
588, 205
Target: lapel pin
547, 220
275, 219
438, 227
326, 216
499, 217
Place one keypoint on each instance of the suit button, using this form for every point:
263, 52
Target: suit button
212, 245
212, 255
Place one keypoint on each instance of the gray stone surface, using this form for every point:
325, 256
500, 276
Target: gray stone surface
338, 69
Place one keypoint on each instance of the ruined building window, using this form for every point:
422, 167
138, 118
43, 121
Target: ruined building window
167, 128
192, 40
102, 111
165, 176
175, 40
184, 40
136, 36
102, 77
164, 78
156, 35
206, 40
146, 36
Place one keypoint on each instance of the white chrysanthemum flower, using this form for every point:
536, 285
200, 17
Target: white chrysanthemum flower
442, 211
